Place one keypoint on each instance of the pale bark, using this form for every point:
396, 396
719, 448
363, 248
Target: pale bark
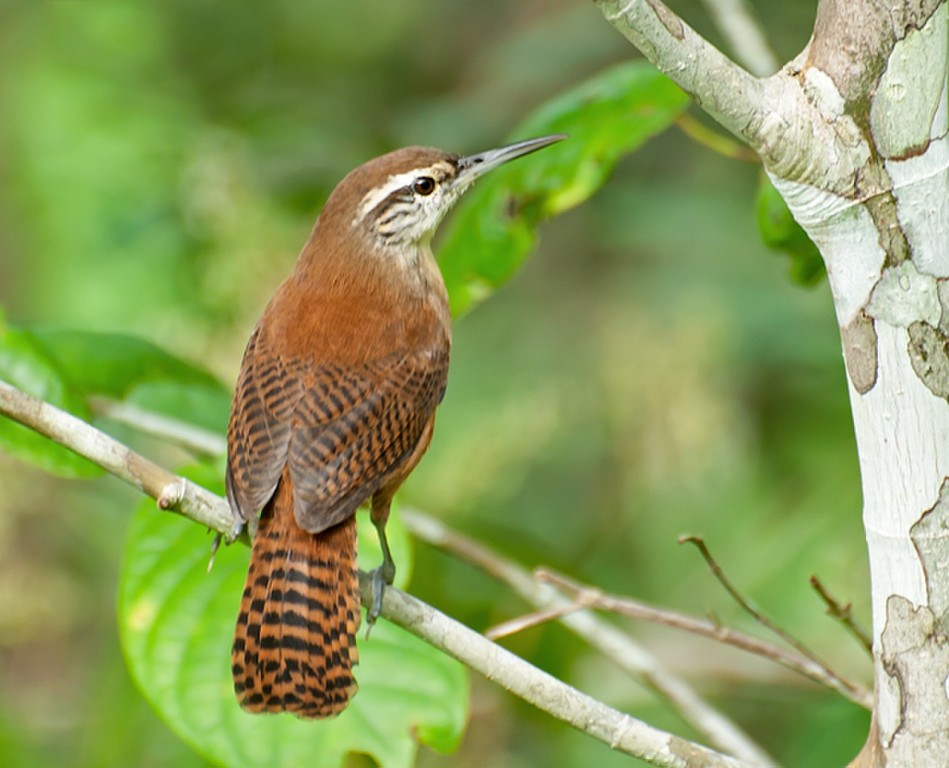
853, 133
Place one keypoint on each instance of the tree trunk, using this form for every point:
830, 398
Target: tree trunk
880, 216
853, 133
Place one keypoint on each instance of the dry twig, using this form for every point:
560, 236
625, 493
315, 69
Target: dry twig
844, 614
636, 609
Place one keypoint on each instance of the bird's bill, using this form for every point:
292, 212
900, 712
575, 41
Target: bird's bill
472, 167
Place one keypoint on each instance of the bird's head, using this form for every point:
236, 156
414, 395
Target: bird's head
400, 198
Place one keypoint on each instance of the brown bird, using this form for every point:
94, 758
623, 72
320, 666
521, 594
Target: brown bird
334, 406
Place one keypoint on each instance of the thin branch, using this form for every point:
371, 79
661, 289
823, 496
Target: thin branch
713, 140
614, 644
799, 137
742, 30
844, 614
727, 92
760, 617
719, 731
746, 604
201, 441
620, 731
636, 609
534, 619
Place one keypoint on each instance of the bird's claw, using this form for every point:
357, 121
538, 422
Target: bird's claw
380, 578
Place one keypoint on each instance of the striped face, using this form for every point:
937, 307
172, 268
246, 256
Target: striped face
407, 207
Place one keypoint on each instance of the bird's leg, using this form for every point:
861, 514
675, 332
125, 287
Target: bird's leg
231, 536
385, 573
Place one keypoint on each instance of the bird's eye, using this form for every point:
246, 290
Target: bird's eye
424, 185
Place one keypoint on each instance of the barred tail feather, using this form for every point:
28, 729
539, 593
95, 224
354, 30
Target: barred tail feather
295, 645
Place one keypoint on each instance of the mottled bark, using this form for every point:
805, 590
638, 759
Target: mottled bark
853, 133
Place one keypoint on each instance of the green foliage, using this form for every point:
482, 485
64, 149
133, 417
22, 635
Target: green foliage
28, 365
176, 621
782, 233
606, 118
112, 364
133, 370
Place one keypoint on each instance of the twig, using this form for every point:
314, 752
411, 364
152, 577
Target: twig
742, 30
744, 602
547, 693
844, 614
171, 430
715, 141
534, 619
755, 612
641, 611
620, 731
614, 644
727, 92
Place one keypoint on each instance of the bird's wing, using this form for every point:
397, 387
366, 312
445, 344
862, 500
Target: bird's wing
355, 428
343, 431
267, 392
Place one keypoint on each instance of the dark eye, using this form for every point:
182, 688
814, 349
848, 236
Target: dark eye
424, 185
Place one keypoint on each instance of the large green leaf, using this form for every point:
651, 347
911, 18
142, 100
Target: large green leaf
129, 368
111, 364
25, 363
605, 119
176, 622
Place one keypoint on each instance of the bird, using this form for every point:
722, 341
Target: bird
333, 407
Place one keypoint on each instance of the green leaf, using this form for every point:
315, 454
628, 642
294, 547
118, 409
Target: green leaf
203, 406
25, 363
605, 118
176, 625
132, 369
110, 364
782, 233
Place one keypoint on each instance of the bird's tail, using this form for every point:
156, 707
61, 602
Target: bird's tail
295, 642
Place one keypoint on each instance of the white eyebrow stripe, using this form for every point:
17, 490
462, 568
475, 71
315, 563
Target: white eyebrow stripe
380, 193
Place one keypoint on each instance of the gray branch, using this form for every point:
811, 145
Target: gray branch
622, 732
727, 92
739, 25
614, 644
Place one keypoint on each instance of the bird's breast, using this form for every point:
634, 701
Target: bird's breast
357, 318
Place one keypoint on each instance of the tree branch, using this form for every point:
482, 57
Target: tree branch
843, 614
744, 603
614, 644
173, 493
739, 25
547, 693
789, 118
789, 659
726, 91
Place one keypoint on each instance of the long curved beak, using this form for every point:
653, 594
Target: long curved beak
472, 167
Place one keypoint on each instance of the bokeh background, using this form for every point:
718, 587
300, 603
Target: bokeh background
651, 371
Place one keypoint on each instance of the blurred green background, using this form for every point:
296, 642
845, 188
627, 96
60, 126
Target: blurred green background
651, 371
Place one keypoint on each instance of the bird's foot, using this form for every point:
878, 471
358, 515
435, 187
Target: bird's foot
380, 578
228, 538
